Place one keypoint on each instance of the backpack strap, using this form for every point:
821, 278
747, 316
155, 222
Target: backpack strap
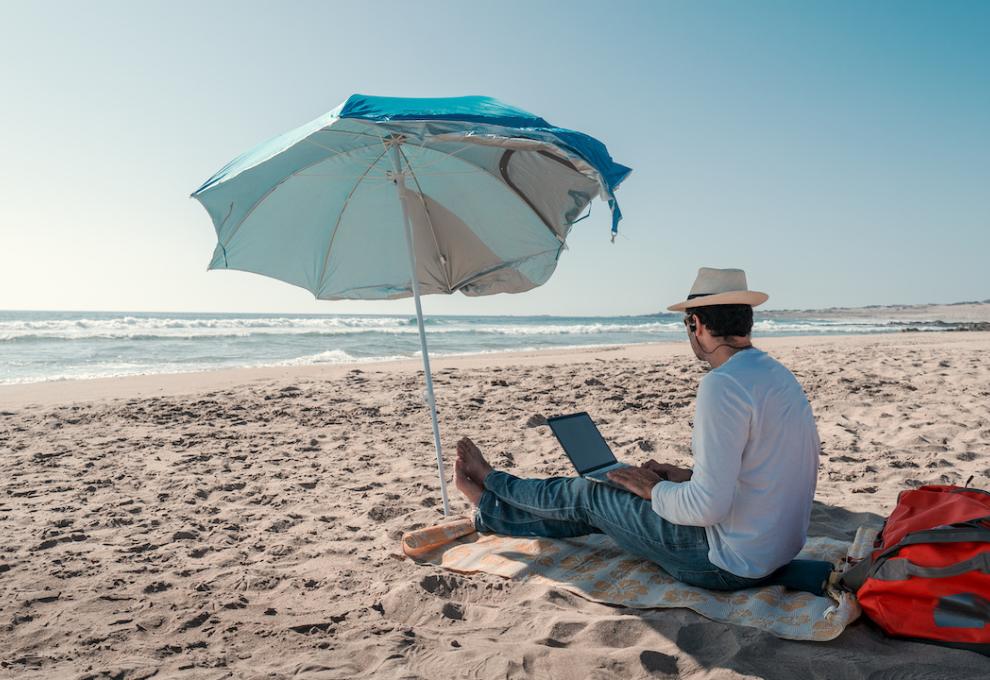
854, 578
900, 569
965, 489
970, 532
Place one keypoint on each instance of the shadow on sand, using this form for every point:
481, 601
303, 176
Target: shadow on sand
862, 651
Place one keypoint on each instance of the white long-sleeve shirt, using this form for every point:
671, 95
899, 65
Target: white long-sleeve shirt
756, 452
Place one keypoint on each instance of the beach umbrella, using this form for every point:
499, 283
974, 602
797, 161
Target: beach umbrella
387, 197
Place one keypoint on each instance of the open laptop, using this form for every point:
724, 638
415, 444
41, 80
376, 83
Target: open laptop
585, 446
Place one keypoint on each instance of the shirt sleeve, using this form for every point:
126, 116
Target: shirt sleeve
722, 418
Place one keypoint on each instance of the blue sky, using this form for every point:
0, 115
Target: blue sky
839, 152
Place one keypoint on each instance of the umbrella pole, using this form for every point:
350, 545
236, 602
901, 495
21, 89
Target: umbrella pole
400, 185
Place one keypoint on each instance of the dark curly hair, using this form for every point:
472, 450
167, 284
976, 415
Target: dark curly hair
723, 320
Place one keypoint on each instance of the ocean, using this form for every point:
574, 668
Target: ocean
40, 346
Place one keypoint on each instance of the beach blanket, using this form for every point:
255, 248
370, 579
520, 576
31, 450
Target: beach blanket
595, 568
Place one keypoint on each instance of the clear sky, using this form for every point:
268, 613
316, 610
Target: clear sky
839, 152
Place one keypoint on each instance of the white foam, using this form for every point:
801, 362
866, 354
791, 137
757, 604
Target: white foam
334, 356
134, 328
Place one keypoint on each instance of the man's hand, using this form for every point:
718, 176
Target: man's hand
671, 473
636, 479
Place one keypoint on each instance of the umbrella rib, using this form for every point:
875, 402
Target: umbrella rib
286, 179
502, 178
338, 152
340, 217
503, 168
383, 178
348, 132
429, 219
443, 155
503, 265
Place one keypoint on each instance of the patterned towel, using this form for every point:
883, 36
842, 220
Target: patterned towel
598, 570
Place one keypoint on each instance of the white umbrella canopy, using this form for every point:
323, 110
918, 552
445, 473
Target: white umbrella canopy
388, 197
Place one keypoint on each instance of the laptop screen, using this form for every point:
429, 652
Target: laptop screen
582, 442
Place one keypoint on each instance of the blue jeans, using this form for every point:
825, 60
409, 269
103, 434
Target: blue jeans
560, 507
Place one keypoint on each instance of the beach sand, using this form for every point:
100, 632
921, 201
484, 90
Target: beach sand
246, 523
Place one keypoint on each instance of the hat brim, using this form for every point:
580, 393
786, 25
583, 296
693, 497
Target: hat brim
735, 297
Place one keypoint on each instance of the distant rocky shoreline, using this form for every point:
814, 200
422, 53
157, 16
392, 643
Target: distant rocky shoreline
971, 316
916, 326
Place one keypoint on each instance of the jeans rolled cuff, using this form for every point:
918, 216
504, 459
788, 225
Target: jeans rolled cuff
487, 500
491, 479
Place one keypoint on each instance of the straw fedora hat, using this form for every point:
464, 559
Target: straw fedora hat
720, 287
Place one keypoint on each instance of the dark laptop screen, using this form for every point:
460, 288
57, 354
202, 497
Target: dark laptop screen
582, 442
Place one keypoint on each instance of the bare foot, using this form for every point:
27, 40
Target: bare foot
474, 464
467, 486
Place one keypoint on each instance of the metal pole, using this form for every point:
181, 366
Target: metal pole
400, 184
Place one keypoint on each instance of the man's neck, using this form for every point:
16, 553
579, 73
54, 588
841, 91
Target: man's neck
727, 351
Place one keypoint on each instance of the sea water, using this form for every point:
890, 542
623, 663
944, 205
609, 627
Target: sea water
38, 346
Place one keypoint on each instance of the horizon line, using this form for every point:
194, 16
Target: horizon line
653, 313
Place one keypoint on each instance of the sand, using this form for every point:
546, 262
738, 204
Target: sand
246, 523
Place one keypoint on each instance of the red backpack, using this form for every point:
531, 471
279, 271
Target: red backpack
929, 575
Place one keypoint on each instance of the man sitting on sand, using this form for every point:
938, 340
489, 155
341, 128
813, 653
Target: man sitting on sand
741, 513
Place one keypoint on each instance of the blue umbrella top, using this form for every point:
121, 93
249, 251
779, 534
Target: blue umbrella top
487, 112
490, 193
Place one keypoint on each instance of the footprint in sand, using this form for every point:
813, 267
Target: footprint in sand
441, 585
562, 633
657, 663
536, 420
